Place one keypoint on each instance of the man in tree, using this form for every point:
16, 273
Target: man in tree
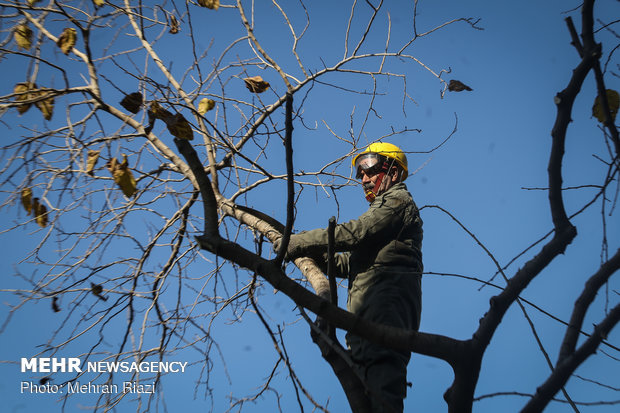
382, 258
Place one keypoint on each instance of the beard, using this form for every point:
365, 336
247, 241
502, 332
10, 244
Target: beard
368, 186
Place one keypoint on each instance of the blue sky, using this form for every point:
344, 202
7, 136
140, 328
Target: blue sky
515, 66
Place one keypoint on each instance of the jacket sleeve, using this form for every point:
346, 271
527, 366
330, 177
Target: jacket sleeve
382, 221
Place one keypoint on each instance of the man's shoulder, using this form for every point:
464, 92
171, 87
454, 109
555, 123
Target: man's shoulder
398, 191
398, 194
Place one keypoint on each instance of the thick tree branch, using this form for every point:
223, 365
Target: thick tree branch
460, 394
343, 367
566, 367
433, 345
208, 197
593, 285
428, 344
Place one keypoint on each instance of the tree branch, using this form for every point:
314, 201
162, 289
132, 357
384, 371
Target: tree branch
290, 183
593, 285
566, 367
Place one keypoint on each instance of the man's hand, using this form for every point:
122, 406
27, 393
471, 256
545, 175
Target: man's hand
276, 245
293, 250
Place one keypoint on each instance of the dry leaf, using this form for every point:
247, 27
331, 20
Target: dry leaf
122, 176
205, 105
177, 124
23, 36
256, 84
133, 102
159, 112
67, 40
91, 161
98, 3
613, 99
174, 25
155, 112
33, 2
27, 199
179, 127
55, 306
210, 4
22, 91
458, 86
97, 289
46, 106
40, 213
35, 205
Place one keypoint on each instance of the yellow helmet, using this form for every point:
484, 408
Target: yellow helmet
389, 151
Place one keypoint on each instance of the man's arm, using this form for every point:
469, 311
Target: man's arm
383, 220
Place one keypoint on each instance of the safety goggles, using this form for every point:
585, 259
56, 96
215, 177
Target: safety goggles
368, 164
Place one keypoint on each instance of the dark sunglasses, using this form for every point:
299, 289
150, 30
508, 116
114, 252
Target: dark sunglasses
368, 164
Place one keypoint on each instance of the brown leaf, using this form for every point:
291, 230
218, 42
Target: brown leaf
159, 112
256, 84
67, 40
132, 102
23, 36
210, 4
155, 112
91, 161
458, 86
55, 306
27, 199
97, 289
613, 100
122, 176
179, 127
46, 106
174, 25
40, 213
98, 3
22, 92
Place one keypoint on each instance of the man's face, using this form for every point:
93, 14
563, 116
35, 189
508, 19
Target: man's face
369, 169
369, 180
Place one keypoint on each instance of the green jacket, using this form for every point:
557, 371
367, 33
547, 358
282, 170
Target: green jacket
382, 257
385, 239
